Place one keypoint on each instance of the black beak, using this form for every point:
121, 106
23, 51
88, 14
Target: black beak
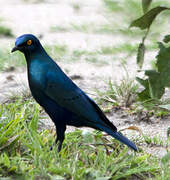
14, 49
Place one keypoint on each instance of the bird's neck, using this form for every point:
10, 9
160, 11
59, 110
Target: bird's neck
37, 54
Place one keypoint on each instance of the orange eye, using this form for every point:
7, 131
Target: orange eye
29, 42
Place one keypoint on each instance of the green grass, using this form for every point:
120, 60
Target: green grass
119, 94
130, 8
5, 31
63, 53
59, 29
111, 28
57, 51
8, 59
122, 48
125, 94
83, 27
81, 52
85, 155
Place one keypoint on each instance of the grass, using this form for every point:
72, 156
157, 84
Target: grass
111, 28
5, 31
122, 48
84, 28
85, 155
8, 60
63, 53
57, 51
81, 52
123, 94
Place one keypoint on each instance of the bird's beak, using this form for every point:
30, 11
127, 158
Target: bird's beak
14, 49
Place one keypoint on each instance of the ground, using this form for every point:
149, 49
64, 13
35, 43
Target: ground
61, 23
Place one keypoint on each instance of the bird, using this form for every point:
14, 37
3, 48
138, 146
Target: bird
64, 102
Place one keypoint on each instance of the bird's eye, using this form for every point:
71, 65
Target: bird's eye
29, 42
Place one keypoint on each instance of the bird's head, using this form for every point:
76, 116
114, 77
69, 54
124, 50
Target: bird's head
26, 43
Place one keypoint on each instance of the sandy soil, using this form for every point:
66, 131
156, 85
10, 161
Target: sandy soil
37, 18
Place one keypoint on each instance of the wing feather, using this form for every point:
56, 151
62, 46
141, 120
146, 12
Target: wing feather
66, 94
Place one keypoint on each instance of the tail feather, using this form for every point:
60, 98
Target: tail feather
124, 140
120, 137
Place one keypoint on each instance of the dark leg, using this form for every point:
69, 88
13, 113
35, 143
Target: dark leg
60, 145
60, 137
56, 141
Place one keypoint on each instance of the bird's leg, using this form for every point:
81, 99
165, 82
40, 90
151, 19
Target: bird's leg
51, 148
60, 138
60, 145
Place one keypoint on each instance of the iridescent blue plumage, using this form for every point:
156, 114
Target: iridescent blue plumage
63, 100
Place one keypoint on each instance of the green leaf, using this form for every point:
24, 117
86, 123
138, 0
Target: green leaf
34, 122
145, 5
146, 20
157, 80
35, 139
143, 95
166, 38
10, 141
13, 169
166, 106
153, 86
163, 64
156, 88
6, 160
140, 55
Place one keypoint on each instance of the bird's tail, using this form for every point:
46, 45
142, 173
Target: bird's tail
120, 137
124, 140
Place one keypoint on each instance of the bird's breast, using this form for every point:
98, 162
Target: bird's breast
36, 75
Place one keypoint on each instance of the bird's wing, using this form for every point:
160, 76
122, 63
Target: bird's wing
65, 93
